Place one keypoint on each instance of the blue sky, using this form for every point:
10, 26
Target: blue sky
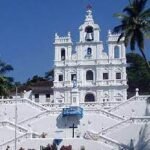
27, 29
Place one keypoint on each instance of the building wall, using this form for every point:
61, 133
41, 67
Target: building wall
89, 55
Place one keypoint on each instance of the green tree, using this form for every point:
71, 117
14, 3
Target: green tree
50, 75
5, 82
35, 79
138, 75
135, 24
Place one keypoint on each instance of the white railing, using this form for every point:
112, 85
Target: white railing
19, 139
111, 82
116, 126
22, 100
55, 105
127, 122
35, 104
122, 104
134, 98
38, 116
142, 119
105, 113
106, 140
10, 124
99, 104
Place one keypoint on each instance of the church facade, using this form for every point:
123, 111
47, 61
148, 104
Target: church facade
85, 72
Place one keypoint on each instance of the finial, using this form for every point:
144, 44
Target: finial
137, 92
109, 32
56, 35
69, 34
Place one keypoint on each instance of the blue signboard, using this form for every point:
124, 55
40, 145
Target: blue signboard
73, 111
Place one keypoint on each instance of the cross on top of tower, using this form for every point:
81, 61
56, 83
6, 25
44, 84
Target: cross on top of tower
89, 17
89, 7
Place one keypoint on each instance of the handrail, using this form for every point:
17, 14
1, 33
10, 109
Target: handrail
140, 97
19, 138
20, 128
39, 116
123, 103
108, 114
22, 100
103, 139
143, 119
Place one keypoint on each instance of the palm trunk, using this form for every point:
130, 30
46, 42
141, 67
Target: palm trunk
146, 61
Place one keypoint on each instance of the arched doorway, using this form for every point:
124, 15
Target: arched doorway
89, 97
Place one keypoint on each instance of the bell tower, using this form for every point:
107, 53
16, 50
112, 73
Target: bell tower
89, 31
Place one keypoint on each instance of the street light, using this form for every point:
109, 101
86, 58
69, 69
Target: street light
16, 118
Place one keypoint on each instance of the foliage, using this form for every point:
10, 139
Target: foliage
50, 75
143, 142
138, 75
82, 148
135, 23
50, 147
66, 147
21, 148
35, 79
5, 82
43, 135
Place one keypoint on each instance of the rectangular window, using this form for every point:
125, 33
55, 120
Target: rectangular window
36, 96
60, 77
73, 77
105, 76
47, 95
118, 75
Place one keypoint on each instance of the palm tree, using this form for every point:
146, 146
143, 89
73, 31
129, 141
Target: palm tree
5, 82
135, 25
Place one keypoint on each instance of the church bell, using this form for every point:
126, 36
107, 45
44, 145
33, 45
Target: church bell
89, 36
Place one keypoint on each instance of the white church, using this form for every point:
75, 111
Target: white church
88, 108
94, 75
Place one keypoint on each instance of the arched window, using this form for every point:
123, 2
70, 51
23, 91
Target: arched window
89, 75
89, 97
89, 51
89, 33
116, 52
62, 54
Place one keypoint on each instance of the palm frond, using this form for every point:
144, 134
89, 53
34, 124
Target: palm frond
120, 16
145, 13
142, 4
4, 68
120, 37
118, 29
129, 10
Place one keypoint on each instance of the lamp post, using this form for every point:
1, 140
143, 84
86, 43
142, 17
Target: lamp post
16, 116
